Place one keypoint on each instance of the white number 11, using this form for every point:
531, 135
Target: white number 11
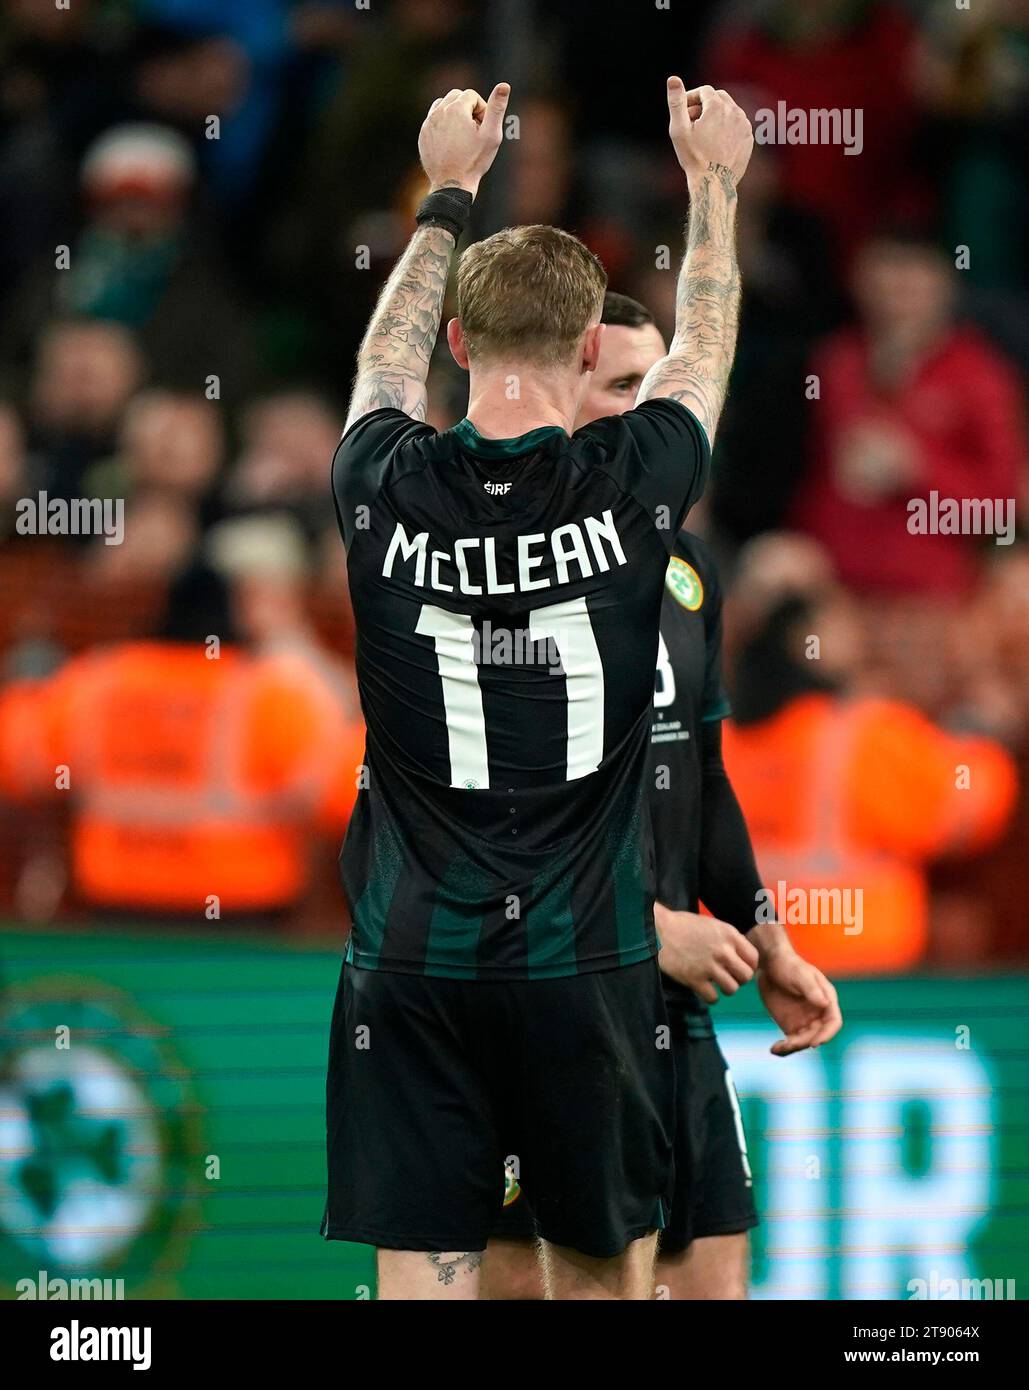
568, 626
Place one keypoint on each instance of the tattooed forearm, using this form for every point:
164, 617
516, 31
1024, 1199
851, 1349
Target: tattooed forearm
696, 370
393, 363
448, 1265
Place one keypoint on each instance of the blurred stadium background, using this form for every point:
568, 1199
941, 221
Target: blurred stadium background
201, 199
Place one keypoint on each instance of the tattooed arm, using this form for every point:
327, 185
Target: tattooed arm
458, 142
713, 148
393, 363
707, 308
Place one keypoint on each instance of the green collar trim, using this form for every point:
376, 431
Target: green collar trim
503, 448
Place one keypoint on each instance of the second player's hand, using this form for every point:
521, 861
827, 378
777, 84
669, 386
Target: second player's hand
703, 953
460, 137
799, 999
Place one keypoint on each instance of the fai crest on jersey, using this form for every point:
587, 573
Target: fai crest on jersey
683, 583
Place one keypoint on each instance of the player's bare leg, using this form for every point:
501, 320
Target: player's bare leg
512, 1269
630, 1275
711, 1267
423, 1275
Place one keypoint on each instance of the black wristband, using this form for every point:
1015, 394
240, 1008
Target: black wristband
449, 208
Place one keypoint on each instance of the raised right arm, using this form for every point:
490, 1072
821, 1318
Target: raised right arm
458, 142
713, 148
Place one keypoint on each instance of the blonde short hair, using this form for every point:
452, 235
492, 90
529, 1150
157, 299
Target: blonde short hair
528, 293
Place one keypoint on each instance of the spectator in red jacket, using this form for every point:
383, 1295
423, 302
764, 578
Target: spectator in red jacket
856, 56
915, 416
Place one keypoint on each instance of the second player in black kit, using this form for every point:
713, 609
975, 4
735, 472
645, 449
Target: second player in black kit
702, 854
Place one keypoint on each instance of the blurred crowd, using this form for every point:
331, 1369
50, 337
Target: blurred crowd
201, 200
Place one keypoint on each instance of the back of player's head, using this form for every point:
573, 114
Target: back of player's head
528, 294
622, 312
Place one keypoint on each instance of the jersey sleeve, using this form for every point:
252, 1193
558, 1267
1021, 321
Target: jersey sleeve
716, 704
363, 460
730, 885
659, 454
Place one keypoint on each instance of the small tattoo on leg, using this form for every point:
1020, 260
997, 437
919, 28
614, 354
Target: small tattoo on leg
448, 1265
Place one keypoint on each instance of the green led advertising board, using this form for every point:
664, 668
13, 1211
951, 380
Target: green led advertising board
161, 1124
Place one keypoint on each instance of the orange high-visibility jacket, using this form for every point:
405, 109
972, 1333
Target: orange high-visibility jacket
841, 795
191, 779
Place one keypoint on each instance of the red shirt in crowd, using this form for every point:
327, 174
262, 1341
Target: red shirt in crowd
866, 67
960, 412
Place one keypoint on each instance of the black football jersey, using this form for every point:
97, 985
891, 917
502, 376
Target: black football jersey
507, 596
688, 690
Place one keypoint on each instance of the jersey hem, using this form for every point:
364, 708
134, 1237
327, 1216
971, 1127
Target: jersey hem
592, 965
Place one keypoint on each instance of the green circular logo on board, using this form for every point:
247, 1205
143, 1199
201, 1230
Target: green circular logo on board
98, 1142
683, 583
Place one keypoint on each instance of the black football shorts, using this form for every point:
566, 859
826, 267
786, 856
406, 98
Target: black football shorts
713, 1193
437, 1086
